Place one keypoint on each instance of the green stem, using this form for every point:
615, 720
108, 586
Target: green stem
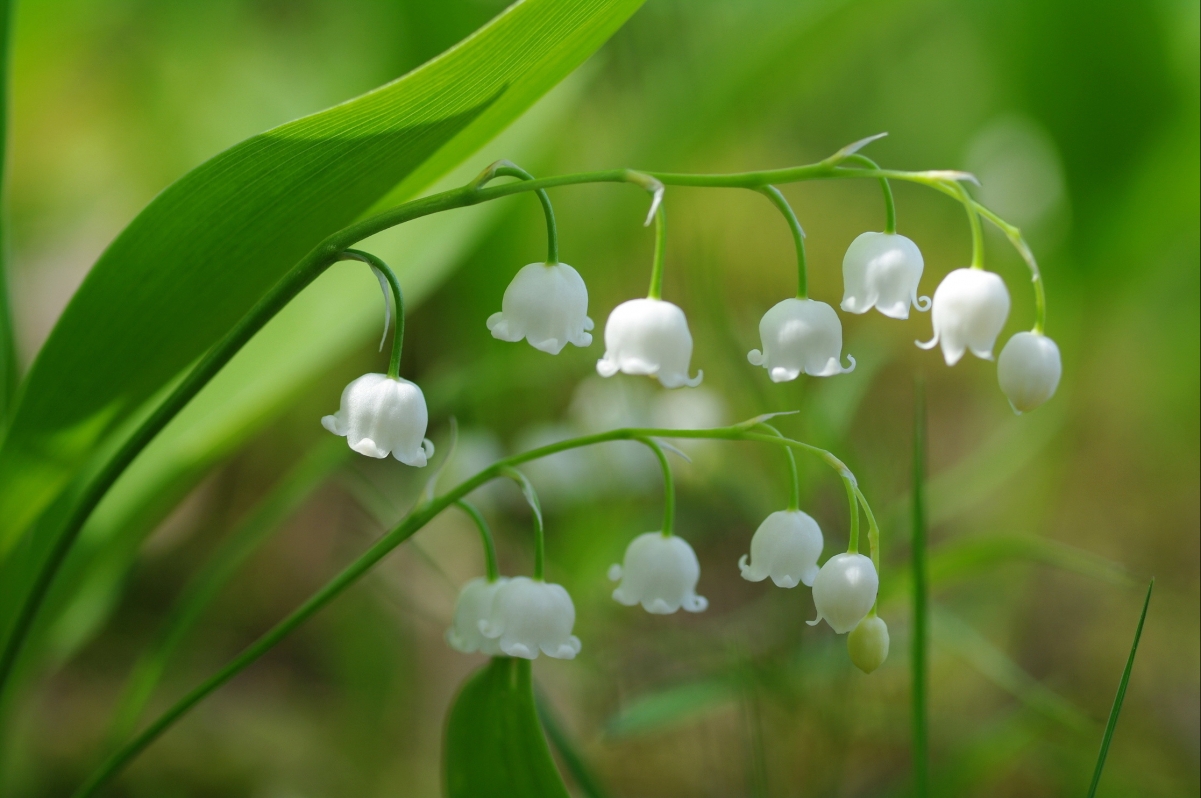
380, 268
510, 169
490, 566
973, 220
853, 543
890, 207
798, 237
527, 490
921, 760
794, 499
9, 376
656, 289
669, 487
873, 536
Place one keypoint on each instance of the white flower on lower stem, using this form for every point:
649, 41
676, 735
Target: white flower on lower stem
1029, 369
868, 643
529, 616
844, 591
785, 547
473, 606
649, 337
800, 336
660, 573
381, 415
546, 304
970, 308
882, 270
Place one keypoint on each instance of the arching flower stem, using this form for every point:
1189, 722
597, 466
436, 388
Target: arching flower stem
510, 169
490, 565
873, 537
798, 237
669, 488
973, 219
385, 273
794, 497
890, 207
853, 542
527, 490
656, 289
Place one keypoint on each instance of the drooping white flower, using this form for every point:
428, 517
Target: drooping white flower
1029, 370
649, 337
529, 616
882, 270
970, 308
381, 415
800, 336
473, 606
546, 304
785, 547
844, 591
660, 573
868, 643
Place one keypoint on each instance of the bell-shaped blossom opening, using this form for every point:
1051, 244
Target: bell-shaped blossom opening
474, 605
660, 573
800, 336
1029, 370
844, 591
381, 415
970, 308
882, 270
868, 643
529, 616
546, 304
649, 337
785, 547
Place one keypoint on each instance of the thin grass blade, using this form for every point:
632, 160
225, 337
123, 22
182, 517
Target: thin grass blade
921, 775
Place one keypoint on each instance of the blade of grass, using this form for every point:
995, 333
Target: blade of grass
580, 772
1120, 697
8, 347
921, 776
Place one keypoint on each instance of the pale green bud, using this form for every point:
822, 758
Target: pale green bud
868, 643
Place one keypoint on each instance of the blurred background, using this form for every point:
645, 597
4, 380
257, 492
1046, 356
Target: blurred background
1081, 120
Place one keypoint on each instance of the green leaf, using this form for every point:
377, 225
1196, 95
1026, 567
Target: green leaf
8, 348
584, 778
673, 705
494, 744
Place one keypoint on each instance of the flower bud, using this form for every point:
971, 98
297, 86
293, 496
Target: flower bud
547, 304
1028, 370
529, 616
381, 415
844, 591
785, 547
473, 606
660, 573
970, 308
868, 643
882, 270
800, 335
649, 337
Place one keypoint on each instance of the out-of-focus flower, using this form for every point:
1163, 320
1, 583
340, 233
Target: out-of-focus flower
1029, 370
882, 270
785, 547
649, 337
473, 607
546, 304
970, 308
529, 616
844, 591
868, 643
800, 336
660, 573
381, 415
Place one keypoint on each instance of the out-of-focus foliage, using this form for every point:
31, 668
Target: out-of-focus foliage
1082, 121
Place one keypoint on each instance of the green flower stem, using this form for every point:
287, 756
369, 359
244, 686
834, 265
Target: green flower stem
794, 498
973, 220
798, 237
873, 538
669, 487
380, 268
890, 206
853, 543
490, 566
656, 289
510, 169
527, 490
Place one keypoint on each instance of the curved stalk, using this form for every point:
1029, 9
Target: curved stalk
890, 206
385, 273
490, 566
798, 237
510, 169
656, 289
669, 487
853, 542
794, 498
531, 498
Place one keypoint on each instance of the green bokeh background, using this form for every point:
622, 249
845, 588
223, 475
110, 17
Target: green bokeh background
1082, 121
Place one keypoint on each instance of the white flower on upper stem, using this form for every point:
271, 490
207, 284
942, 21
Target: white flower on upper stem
660, 573
970, 308
474, 606
785, 547
844, 591
868, 643
529, 616
1029, 370
649, 337
381, 415
546, 304
882, 270
800, 336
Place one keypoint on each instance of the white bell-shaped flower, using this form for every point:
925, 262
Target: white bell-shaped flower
660, 573
546, 304
800, 336
381, 415
649, 337
473, 606
529, 616
868, 643
1029, 370
970, 308
882, 270
844, 591
785, 547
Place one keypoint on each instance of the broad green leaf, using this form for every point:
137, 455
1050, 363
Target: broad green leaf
495, 747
